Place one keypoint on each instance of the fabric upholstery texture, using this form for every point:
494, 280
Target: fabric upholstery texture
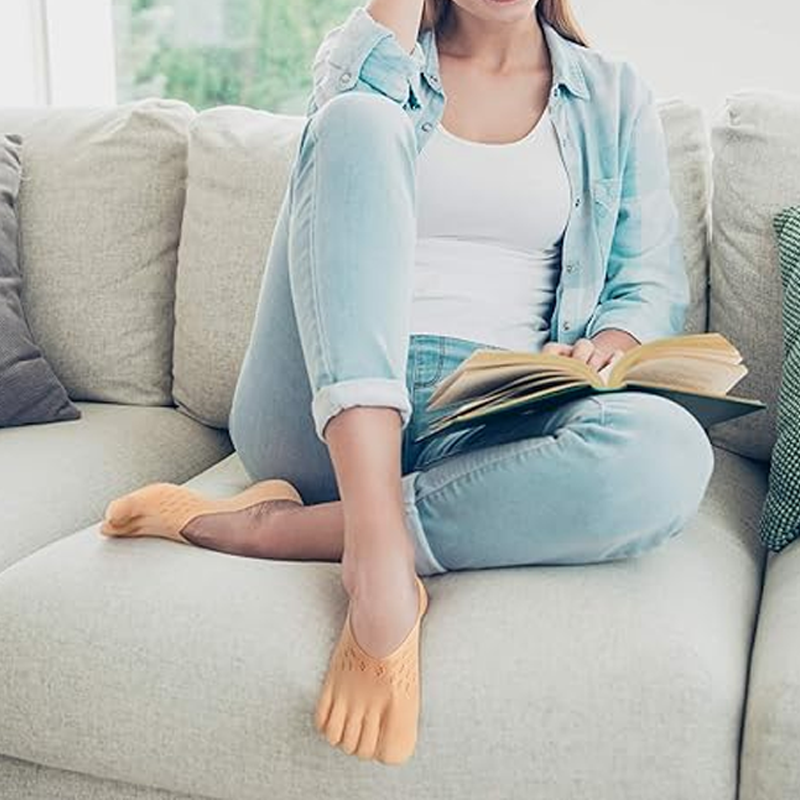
238, 169
22, 780
772, 718
756, 174
780, 520
100, 214
59, 477
636, 665
689, 155
30, 392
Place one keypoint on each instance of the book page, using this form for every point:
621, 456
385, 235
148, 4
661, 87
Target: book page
522, 387
485, 370
688, 373
479, 389
711, 346
481, 406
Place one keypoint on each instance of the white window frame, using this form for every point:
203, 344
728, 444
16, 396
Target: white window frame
61, 79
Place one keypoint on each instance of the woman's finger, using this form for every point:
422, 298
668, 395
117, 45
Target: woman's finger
557, 348
583, 350
599, 359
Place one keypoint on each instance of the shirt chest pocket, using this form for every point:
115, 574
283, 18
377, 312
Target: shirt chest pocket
605, 202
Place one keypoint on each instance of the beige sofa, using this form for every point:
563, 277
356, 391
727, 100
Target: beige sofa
146, 669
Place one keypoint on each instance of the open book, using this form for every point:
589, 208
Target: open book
695, 370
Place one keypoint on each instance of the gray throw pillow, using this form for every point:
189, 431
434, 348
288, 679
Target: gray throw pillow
780, 517
30, 392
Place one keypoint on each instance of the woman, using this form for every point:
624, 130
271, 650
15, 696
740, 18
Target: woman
530, 211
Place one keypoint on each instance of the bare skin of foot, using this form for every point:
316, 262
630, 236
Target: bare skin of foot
379, 578
256, 531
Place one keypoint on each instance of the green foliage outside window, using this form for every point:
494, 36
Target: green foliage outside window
256, 53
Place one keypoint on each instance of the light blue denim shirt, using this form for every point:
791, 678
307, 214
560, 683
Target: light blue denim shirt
622, 258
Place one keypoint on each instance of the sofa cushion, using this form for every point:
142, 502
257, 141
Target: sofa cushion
689, 156
100, 216
756, 174
780, 520
772, 719
30, 392
57, 478
238, 169
22, 780
240, 160
192, 670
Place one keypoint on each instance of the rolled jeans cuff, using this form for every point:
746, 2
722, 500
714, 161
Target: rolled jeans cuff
330, 400
425, 562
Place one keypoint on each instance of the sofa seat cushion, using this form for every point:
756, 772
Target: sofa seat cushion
772, 721
58, 477
21, 780
192, 670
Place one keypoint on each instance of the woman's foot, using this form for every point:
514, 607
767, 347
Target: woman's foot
369, 704
175, 512
384, 599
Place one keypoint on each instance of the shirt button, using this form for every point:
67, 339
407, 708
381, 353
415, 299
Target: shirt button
555, 91
426, 126
433, 79
345, 77
577, 202
570, 267
565, 326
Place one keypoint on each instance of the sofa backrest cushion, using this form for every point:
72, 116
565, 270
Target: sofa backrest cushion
100, 208
689, 156
239, 164
756, 173
238, 170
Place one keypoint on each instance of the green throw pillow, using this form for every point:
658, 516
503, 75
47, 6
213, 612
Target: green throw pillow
780, 517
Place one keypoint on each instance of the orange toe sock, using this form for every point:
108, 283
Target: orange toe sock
164, 509
370, 706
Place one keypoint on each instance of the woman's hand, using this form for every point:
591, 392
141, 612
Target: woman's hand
602, 350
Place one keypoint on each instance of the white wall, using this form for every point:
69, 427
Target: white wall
700, 50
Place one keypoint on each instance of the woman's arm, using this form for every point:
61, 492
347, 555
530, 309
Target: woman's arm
647, 291
377, 53
401, 16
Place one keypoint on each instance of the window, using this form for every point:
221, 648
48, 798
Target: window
256, 53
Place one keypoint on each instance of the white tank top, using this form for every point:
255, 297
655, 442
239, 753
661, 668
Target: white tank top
490, 223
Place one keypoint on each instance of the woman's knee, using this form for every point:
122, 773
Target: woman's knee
669, 456
362, 122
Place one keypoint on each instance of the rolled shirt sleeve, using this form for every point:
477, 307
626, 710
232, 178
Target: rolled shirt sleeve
646, 291
366, 55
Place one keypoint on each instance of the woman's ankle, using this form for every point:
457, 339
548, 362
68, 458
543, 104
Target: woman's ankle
366, 564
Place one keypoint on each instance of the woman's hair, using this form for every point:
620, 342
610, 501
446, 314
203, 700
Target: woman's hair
557, 13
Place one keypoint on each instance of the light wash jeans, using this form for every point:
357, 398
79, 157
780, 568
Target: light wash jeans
596, 479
